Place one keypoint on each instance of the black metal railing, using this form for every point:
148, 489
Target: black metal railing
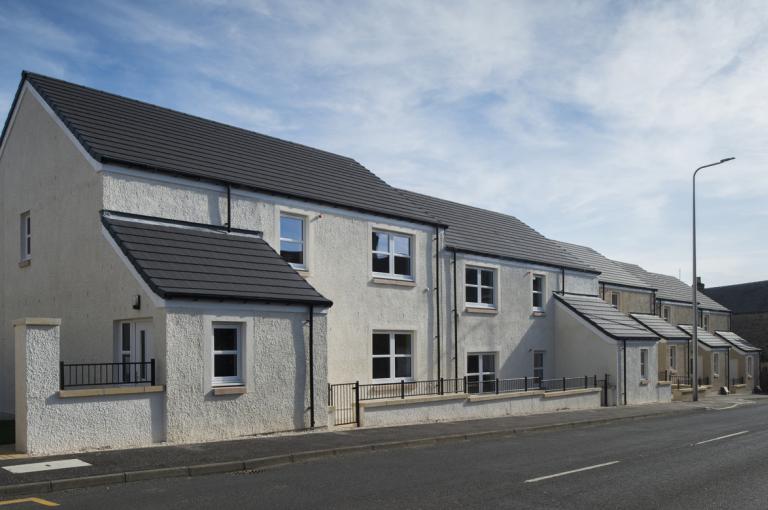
737, 380
345, 398
680, 380
72, 375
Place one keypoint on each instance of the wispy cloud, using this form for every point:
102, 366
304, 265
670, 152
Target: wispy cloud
584, 119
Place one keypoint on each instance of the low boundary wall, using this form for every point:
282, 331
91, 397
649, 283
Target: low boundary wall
443, 408
49, 421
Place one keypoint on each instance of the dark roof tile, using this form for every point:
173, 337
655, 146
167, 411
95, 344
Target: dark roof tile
606, 318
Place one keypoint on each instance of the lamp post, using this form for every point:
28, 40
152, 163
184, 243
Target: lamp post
695, 340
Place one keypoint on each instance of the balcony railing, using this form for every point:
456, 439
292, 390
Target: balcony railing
74, 375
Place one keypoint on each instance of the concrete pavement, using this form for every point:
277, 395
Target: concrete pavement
707, 459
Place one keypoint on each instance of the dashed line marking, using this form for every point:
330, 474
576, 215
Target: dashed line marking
564, 473
722, 437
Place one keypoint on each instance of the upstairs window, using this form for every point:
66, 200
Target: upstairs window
391, 255
537, 290
615, 299
665, 313
292, 242
479, 290
705, 321
25, 225
643, 363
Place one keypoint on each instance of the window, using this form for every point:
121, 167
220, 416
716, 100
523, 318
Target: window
749, 366
665, 313
672, 357
292, 242
392, 356
391, 255
538, 366
480, 287
481, 373
538, 283
705, 321
227, 349
25, 225
615, 299
644, 364
715, 364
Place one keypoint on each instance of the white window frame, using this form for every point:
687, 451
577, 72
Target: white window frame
616, 295
715, 364
391, 254
666, 312
542, 292
25, 237
239, 379
672, 361
392, 356
302, 241
479, 286
644, 364
481, 371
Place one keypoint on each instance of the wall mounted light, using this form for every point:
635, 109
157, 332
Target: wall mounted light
137, 302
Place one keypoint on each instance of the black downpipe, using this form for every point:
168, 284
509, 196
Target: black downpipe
311, 367
437, 296
625, 372
229, 208
562, 286
728, 368
455, 322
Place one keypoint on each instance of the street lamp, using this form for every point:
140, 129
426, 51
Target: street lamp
695, 349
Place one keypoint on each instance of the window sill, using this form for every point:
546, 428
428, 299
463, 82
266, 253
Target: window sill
25, 263
304, 273
393, 281
481, 310
106, 392
219, 391
538, 313
644, 382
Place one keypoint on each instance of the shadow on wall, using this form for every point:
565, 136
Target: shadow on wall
7, 431
301, 381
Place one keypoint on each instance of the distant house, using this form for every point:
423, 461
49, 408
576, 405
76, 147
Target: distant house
748, 303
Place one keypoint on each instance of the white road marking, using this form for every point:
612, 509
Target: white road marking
45, 466
532, 480
722, 437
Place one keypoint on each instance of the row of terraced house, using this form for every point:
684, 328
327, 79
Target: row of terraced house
166, 278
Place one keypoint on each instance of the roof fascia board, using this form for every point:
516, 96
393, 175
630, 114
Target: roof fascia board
544, 265
97, 166
158, 301
212, 307
11, 118
282, 200
152, 220
687, 304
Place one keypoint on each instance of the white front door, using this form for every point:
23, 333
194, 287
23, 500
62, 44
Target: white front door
135, 351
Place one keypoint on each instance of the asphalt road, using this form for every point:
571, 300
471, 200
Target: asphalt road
651, 463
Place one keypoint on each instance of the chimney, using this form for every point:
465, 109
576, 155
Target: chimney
699, 284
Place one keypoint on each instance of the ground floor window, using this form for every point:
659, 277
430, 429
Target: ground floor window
227, 354
749, 366
672, 357
643, 363
481, 373
715, 364
133, 351
392, 356
538, 366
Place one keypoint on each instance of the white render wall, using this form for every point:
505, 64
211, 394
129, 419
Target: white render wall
74, 273
339, 262
441, 409
49, 424
275, 370
511, 331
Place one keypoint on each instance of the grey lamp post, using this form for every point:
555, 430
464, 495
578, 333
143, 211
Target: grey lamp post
695, 341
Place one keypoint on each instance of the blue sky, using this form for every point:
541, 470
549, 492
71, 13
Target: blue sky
583, 119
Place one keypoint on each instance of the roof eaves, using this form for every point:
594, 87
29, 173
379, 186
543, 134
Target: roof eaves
520, 259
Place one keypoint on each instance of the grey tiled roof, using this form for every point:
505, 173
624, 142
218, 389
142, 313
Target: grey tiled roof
183, 261
661, 327
706, 337
742, 298
610, 271
606, 318
737, 341
125, 131
670, 288
484, 232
